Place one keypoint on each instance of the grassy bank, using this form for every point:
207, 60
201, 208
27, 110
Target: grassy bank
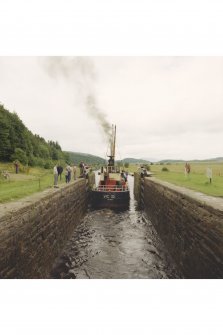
26, 182
197, 179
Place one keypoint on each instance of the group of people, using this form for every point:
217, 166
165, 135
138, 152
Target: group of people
84, 169
58, 170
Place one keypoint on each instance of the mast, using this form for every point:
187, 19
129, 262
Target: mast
114, 140
111, 143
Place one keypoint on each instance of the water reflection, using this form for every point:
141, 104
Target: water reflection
111, 244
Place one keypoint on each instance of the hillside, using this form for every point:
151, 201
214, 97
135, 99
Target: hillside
17, 142
77, 157
216, 160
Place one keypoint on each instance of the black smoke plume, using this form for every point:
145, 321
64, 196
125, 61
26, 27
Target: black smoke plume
80, 72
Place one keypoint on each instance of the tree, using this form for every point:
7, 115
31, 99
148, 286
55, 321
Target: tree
44, 151
18, 142
20, 155
4, 140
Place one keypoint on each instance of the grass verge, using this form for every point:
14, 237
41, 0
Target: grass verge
24, 184
197, 179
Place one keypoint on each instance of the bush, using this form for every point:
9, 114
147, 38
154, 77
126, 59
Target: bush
48, 165
39, 162
165, 169
31, 160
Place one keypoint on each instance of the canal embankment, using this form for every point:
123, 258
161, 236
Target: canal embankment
34, 230
189, 223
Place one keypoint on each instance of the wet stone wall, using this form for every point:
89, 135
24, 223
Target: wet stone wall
33, 232
191, 230
137, 186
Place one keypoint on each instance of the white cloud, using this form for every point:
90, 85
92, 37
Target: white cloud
164, 107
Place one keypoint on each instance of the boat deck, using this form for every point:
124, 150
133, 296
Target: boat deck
111, 188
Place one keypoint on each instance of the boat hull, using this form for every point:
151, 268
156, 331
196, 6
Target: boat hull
109, 199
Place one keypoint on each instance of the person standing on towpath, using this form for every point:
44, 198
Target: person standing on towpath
59, 170
187, 169
68, 173
16, 164
55, 173
82, 166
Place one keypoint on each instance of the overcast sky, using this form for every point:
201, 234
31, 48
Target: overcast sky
164, 107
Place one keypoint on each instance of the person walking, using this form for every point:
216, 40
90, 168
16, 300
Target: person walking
55, 173
16, 167
59, 170
81, 169
66, 174
187, 169
69, 173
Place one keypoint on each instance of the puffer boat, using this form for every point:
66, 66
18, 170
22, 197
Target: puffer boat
112, 190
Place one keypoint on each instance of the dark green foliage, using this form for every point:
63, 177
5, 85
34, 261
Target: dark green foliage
126, 165
48, 165
18, 143
4, 139
165, 169
19, 155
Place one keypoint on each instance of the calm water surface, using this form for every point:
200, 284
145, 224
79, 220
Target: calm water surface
109, 244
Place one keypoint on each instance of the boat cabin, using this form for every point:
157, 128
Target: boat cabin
112, 180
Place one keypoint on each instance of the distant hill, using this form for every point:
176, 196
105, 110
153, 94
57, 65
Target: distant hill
134, 161
217, 160
77, 157
173, 161
150, 159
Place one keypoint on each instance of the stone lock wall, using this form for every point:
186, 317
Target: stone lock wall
137, 186
33, 233
191, 228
